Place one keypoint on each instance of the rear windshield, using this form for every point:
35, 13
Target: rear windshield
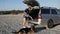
45, 11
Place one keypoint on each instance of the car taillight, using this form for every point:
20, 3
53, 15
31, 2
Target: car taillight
39, 16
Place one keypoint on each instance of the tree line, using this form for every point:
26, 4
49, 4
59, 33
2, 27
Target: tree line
11, 12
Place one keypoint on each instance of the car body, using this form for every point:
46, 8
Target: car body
48, 16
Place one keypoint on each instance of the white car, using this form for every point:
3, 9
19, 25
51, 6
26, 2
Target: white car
47, 16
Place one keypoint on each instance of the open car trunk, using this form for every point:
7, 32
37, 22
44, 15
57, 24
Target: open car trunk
34, 14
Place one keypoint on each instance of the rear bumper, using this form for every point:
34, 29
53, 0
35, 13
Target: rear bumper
40, 22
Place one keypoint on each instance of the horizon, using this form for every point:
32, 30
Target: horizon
19, 5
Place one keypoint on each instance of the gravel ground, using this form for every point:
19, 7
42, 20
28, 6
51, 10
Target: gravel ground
10, 23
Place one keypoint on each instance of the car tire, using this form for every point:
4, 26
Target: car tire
50, 24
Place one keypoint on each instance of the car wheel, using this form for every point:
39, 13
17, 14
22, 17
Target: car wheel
50, 24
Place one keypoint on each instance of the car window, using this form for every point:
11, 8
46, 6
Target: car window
45, 11
58, 11
54, 11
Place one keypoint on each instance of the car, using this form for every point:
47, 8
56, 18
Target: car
47, 16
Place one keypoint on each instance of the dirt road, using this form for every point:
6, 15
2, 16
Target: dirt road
10, 23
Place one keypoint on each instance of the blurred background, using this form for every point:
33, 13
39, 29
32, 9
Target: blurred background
17, 6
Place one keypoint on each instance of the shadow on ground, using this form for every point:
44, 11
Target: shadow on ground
56, 25
39, 29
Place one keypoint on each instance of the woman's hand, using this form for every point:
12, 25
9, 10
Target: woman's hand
30, 8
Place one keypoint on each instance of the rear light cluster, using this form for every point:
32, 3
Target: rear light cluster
39, 16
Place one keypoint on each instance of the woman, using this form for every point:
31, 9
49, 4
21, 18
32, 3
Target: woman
32, 11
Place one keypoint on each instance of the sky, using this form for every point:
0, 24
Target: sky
19, 5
